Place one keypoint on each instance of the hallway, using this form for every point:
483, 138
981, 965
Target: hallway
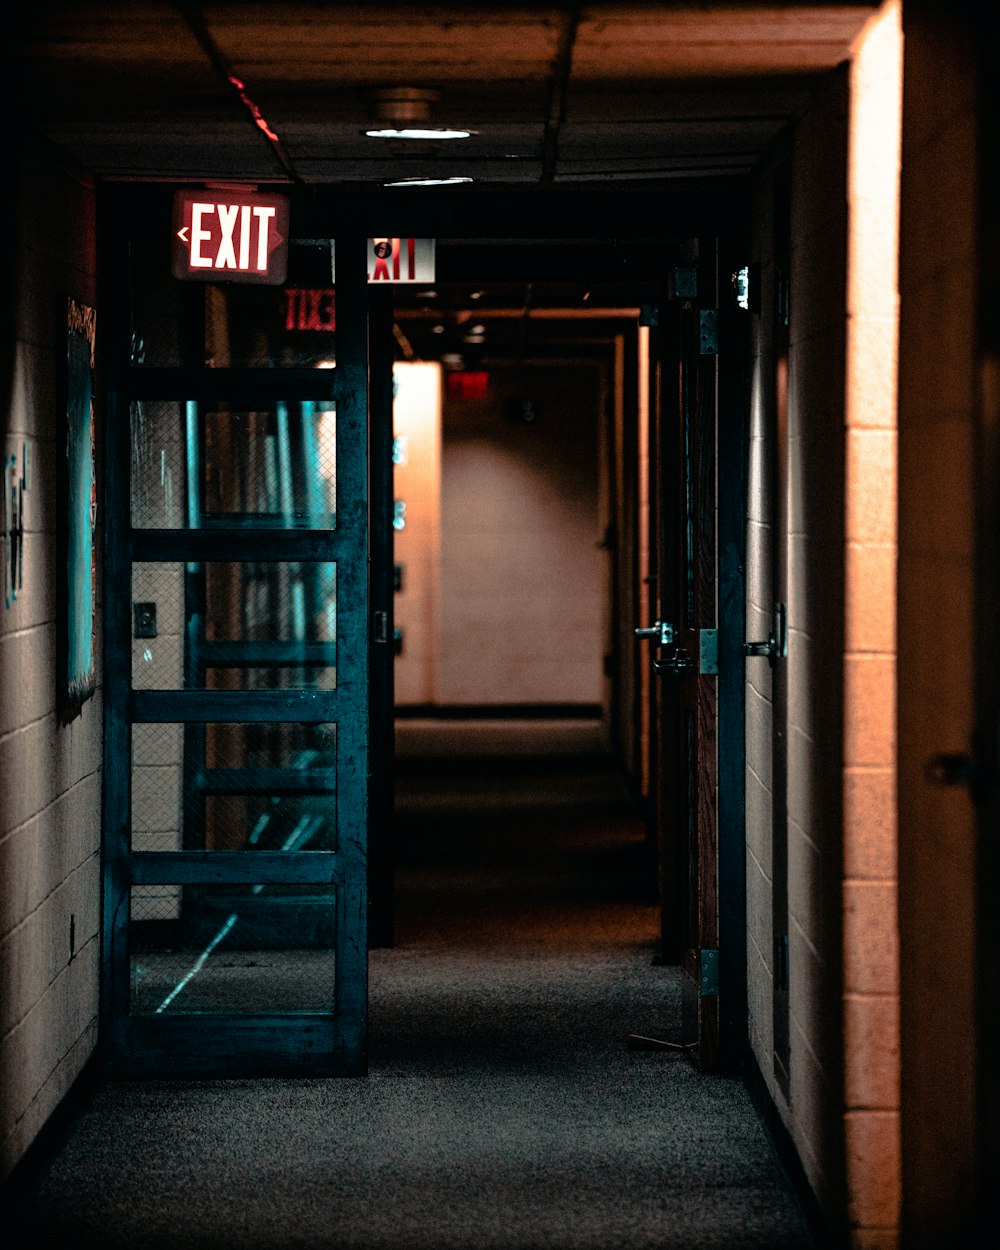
504, 1107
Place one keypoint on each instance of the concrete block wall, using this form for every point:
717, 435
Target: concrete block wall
839, 547
939, 394
417, 482
50, 770
815, 559
871, 931
522, 577
761, 555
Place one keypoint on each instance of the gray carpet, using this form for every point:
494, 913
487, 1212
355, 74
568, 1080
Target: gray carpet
503, 1107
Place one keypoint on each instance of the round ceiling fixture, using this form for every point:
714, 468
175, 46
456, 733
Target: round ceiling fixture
402, 104
419, 132
425, 182
405, 113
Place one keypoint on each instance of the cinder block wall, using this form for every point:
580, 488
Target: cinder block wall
50, 771
815, 559
417, 482
939, 394
761, 555
871, 931
522, 577
837, 540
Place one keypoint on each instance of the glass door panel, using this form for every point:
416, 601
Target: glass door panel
236, 722
200, 465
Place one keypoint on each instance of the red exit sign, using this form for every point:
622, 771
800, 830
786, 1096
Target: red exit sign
236, 236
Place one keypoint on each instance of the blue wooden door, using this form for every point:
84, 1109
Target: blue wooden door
236, 660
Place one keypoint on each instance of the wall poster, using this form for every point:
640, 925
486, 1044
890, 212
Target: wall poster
79, 518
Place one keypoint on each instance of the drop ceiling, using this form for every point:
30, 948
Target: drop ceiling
610, 98
604, 93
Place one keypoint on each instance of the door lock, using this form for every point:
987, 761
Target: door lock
776, 646
662, 633
679, 664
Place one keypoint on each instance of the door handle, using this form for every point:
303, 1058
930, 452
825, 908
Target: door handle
679, 664
776, 646
661, 633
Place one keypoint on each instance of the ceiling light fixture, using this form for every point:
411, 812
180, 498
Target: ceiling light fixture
405, 113
425, 182
420, 132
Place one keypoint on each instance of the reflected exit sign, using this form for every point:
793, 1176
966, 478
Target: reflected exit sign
397, 261
235, 236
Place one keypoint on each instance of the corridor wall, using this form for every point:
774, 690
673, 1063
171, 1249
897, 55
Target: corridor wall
947, 401
50, 759
523, 599
811, 545
821, 531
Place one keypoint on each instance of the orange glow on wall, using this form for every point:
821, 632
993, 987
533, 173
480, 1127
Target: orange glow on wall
871, 987
417, 485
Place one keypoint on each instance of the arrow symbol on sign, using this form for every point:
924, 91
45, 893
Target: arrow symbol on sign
182, 233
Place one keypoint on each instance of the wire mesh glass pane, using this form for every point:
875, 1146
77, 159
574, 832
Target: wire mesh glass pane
196, 465
234, 626
254, 948
159, 467
234, 787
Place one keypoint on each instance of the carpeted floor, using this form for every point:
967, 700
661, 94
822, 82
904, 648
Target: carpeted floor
503, 1108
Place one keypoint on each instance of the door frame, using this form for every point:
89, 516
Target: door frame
230, 1043
704, 389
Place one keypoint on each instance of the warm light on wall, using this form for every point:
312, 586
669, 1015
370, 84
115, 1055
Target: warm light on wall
417, 489
871, 1041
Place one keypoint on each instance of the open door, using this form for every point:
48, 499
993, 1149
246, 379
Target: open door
696, 493
236, 664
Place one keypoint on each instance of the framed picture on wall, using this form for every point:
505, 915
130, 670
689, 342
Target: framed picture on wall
78, 513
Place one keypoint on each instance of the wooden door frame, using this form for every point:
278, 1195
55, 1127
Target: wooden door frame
718, 394
733, 409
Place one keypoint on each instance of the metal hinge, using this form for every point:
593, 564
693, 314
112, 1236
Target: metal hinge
709, 328
708, 651
709, 973
380, 627
683, 283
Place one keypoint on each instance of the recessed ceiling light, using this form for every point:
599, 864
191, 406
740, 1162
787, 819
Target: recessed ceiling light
420, 132
425, 182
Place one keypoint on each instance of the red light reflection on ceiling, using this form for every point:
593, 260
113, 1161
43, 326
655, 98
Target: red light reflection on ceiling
259, 119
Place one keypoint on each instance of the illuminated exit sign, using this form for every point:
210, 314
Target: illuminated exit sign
397, 261
236, 236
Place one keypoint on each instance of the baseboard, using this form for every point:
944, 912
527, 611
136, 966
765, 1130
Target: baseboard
15, 1188
787, 1155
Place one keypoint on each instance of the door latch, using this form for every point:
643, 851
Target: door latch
661, 633
776, 646
679, 664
